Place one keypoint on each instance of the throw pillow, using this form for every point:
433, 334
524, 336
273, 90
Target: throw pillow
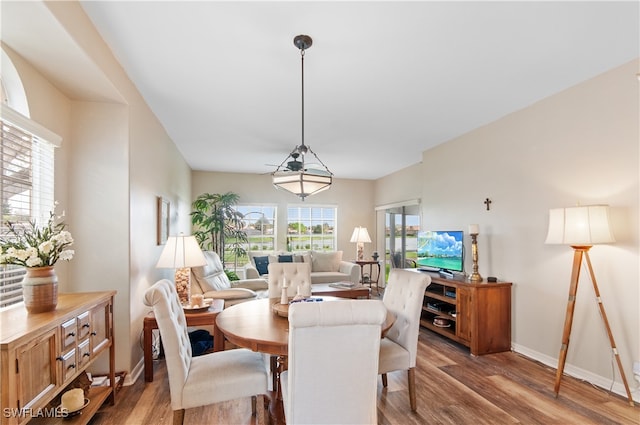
262, 264
285, 258
326, 261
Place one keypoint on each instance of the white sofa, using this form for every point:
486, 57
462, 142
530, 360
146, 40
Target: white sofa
326, 266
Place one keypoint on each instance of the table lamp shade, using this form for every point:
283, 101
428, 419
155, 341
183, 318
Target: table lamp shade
360, 234
181, 251
580, 226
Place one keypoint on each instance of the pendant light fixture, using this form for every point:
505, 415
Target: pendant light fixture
296, 174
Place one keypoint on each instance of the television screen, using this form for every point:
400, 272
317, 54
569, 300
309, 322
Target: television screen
441, 249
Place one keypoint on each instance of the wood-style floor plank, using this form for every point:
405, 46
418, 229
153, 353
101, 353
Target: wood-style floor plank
454, 388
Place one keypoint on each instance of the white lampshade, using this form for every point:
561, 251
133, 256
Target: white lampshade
580, 226
360, 234
181, 251
302, 183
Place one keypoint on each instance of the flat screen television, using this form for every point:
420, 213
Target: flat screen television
441, 249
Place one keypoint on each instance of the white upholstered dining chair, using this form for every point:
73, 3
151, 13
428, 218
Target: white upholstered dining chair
206, 379
403, 296
298, 275
333, 362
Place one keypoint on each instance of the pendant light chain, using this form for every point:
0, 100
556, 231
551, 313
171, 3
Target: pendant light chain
302, 150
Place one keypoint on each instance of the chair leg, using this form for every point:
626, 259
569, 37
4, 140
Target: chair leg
254, 402
178, 417
411, 376
273, 365
261, 413
384, 380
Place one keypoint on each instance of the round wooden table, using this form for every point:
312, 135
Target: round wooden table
253, 325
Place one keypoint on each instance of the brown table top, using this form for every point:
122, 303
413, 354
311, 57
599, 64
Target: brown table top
253, 325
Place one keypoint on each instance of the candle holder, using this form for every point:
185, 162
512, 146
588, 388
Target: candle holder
475, 276
284, 298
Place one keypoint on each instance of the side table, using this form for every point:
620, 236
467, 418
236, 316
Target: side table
369, 263
205, 318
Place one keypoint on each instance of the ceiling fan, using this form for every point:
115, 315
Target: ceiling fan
297, 177
295, 162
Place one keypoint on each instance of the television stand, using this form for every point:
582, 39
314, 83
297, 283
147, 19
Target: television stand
476, 315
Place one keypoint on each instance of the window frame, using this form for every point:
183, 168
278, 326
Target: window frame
252, 213
312, 221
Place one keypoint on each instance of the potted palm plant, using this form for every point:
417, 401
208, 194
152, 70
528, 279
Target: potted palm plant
218, 226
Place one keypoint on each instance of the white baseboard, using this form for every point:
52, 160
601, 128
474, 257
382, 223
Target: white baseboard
131, 378
584, 375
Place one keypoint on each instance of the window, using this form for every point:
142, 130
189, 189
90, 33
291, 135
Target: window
259, 223
26, 190
311, 228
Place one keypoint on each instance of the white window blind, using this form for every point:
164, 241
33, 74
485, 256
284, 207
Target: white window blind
26, 190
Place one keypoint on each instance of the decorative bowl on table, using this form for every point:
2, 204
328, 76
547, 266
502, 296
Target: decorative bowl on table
196, 309
281, 310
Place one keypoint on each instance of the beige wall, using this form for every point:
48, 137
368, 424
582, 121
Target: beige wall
354, 199
579, 146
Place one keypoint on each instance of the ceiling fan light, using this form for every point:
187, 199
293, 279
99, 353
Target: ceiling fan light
295, 177
301, 184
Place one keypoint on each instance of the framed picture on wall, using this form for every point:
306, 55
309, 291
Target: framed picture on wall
163, 220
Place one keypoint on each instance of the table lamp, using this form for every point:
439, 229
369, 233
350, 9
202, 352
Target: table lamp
181, 253
360, 236
581, 227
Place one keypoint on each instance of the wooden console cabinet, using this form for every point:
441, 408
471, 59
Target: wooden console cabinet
41, 354
478, 314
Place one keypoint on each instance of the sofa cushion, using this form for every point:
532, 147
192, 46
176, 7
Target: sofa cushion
231, 294
325, 261
262, 264
285, 258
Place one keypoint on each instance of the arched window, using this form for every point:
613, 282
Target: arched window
26, 171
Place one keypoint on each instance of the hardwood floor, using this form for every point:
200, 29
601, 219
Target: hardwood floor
453, 388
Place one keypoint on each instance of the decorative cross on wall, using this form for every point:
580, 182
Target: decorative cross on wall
487, 202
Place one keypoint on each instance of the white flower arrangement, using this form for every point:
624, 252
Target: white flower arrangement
33, 246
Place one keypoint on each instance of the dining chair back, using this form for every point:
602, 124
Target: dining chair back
333, 362
403, 296
206, 379
297, 275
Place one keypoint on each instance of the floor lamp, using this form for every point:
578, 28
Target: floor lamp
581, 228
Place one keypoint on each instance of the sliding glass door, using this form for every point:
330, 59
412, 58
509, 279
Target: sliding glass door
402, 225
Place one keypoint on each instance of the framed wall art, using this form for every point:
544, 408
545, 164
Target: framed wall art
163, 220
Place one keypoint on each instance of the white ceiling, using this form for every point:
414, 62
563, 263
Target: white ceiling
384, 81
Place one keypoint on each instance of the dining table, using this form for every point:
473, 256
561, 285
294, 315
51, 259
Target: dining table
261, 325
254, 325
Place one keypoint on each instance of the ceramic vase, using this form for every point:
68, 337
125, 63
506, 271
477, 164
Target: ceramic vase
40, 289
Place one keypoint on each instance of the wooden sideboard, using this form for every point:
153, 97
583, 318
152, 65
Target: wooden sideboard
478, 315
41, 354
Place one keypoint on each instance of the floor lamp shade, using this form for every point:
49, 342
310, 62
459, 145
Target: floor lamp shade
581, 226
360, 236
181, 253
